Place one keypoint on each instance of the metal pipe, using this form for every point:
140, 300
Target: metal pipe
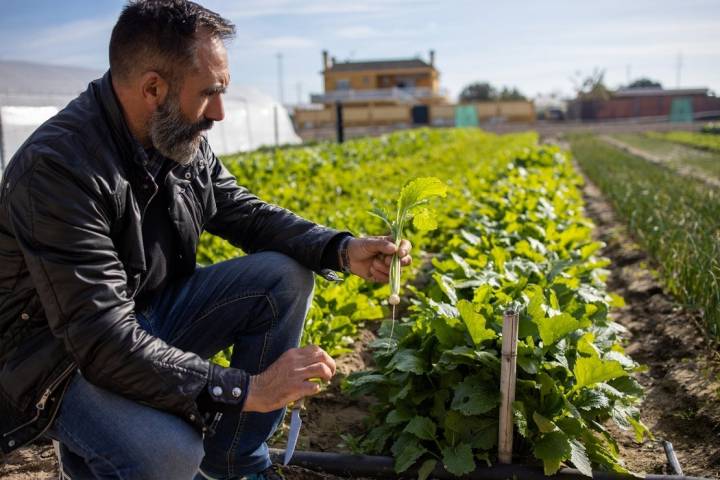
351, 465
339, 126
672, 458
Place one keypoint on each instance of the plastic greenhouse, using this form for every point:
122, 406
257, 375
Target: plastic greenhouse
32, 93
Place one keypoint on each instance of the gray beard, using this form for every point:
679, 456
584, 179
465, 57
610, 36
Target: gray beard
172, 135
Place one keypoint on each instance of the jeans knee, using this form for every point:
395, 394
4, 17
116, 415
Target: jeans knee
177, 457
291, 275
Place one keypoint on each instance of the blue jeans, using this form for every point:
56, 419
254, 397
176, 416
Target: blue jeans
257, 303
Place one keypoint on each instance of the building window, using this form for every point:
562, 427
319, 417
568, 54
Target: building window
342, 84
366, 81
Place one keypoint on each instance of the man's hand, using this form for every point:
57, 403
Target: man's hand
370, 257
288, 379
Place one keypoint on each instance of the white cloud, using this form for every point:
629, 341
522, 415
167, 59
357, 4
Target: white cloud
76, 32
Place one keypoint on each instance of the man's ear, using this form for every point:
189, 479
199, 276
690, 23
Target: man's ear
154, 89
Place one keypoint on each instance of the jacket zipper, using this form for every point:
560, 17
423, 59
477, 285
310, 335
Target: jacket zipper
40, 405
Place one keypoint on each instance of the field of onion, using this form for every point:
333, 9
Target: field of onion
511, 234
675, 218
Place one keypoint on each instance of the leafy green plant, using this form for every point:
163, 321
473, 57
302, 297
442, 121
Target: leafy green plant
307, 180
414, 195
524, 240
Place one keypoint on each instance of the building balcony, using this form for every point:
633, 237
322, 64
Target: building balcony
395, 94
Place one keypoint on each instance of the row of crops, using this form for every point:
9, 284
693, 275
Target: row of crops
675, 218
707, 141
511, 233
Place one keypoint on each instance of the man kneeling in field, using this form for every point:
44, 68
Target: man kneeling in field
106, 324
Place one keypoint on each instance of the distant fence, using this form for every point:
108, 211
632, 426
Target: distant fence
402, 115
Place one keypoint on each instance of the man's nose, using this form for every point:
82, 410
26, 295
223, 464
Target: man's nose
215, 110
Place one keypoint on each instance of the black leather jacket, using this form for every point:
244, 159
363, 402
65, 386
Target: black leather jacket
71, 260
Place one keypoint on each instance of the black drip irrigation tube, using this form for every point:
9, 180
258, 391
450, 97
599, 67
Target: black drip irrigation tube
383, 467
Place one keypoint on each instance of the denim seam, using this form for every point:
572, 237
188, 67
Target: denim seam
241, 422
87, 449
212, 309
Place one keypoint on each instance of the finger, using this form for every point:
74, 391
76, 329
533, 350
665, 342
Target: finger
405, 261
379, 276
380, 267
317, 370
380, 245
309, 388
317, 354
405, 247
387, 259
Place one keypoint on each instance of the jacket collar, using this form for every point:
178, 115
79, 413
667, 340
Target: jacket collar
126, 142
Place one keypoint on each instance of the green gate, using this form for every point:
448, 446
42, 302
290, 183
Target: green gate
466, 116
681, 110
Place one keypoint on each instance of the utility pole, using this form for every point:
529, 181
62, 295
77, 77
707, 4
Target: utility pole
678, 72
281, 95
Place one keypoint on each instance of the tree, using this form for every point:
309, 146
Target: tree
484, 92
478, 92
508, 94
644, 83
592, 86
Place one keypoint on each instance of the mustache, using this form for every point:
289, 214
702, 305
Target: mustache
190, 131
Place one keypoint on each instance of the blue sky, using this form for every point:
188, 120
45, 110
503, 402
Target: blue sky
538, 46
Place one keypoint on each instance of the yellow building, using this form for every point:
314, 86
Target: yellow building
380, 82
394, 94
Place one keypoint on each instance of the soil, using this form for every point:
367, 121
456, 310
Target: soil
682, 381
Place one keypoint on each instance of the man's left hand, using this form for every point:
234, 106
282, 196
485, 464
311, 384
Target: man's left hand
370, 257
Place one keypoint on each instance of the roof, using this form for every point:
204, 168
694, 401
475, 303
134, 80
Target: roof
659, 92
378, 65
27, 78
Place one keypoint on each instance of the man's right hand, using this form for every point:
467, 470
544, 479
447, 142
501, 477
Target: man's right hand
288, 379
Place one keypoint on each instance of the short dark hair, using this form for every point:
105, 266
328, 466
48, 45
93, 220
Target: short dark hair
161, 35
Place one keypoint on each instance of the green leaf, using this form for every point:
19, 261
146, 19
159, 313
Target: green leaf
499, 256
407, 450
446, 285
520, 418
474, 396
397, 416
421, 427
407, 360
420, 190
544, 424
641, 430
425, 220
375, 440
426, 469
579, 457
381, 214
552, 448
616, 301
475, 323
591, 370
591, 399
555, 328
458, 460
